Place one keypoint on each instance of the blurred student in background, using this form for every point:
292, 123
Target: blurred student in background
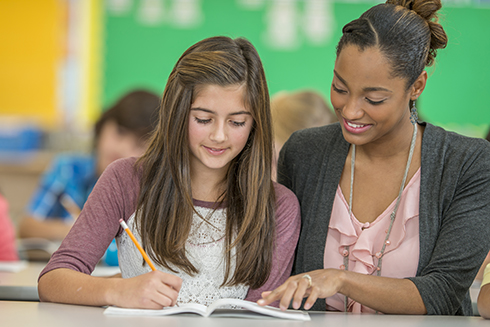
120, 132
295, 111
8, 251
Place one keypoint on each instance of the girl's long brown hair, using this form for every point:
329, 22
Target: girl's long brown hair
165, 208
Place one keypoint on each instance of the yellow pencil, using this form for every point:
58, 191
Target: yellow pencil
135, 241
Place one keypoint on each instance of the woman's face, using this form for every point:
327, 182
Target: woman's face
117, 142
371, 105
219, 126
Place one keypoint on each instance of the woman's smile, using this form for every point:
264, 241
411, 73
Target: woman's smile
355, 128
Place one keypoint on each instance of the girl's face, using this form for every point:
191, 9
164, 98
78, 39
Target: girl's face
116, 142
370, 104
219, 126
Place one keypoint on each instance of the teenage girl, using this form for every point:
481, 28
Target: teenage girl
200, 200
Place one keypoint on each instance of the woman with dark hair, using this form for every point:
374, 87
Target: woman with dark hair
121, 131
200, 200
394, 211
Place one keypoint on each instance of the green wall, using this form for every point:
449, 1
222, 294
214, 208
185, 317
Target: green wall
138, 55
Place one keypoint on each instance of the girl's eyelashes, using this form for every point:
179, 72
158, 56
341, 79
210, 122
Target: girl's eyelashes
202, 121
207, 121
238, 123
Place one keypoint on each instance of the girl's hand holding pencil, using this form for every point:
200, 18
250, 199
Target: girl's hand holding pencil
153, 290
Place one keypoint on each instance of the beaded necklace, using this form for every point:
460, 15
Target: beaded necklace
379, 254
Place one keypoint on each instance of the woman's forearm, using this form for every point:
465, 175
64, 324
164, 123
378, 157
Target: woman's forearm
386, 295
484, 301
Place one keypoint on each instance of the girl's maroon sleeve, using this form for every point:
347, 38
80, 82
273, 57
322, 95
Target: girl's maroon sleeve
113, 197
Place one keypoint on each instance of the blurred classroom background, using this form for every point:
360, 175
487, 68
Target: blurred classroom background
63, 61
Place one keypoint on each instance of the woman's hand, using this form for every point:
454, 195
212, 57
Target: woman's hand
153, 290
323, 283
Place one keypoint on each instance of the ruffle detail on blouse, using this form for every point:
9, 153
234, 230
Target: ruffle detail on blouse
366, 239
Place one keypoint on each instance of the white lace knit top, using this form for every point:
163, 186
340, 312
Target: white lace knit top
115, 197
205, 249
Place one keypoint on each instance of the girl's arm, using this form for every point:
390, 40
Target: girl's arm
67, 277
387, 295
153, 290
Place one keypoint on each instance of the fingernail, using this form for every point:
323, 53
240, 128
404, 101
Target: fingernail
295, 305
307, 306
260, 301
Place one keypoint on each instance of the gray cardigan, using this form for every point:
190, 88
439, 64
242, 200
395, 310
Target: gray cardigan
454, 208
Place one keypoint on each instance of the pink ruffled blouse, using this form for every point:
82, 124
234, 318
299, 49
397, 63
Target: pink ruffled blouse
401, 256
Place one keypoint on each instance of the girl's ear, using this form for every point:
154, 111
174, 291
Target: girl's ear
418, 86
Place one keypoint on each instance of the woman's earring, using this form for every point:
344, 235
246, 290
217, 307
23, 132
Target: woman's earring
413, 114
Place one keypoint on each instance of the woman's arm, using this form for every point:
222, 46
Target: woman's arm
479, 276
153, 290
484, 295
454, 243
387, 295
484, 301
454, 233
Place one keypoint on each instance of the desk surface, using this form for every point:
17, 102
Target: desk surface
22, 285
54, 315
25, 277
28, 276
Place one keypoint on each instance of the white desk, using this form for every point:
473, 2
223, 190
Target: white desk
22, 285
62, 315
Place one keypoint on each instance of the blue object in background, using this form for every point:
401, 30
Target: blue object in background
18, 142
110, 256
21, 138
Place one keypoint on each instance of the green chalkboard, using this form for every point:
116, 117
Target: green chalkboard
141, 48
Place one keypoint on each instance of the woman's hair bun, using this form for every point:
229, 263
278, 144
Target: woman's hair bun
427, 9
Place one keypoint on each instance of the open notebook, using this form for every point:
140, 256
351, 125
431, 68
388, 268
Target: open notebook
221, 308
